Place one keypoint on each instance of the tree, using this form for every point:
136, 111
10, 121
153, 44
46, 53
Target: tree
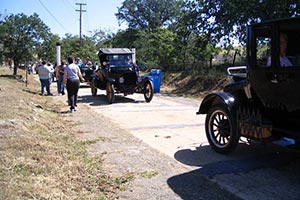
21, 36
47, 49
156, 49
125, 38
227, 19
71, 46
148, 14
98, 36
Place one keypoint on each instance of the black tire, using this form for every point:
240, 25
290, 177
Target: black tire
93, 88
148, 91
110, 92
221, 129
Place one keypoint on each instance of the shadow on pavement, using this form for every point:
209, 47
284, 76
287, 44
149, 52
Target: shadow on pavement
100, 100
273, 159
191, 185
194, 186
244, 158
84, 85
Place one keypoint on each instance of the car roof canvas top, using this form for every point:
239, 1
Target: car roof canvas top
114, 51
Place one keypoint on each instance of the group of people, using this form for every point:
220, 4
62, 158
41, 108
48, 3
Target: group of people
67, 75
80, 63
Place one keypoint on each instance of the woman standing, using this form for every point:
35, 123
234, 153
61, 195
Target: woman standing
72, 77
59, 72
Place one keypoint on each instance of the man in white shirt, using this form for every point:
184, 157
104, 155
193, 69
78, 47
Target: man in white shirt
45, 75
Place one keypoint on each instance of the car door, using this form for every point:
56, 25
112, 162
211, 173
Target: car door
277, 87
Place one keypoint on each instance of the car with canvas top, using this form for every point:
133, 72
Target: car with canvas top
118, 73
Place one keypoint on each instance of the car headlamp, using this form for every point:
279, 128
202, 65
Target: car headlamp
121, 80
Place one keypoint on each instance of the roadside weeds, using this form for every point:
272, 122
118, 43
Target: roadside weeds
41, 156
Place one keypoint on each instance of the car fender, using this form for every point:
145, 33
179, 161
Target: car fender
219, 97
146, 78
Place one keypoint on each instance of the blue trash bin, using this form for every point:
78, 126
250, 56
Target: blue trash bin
156, 75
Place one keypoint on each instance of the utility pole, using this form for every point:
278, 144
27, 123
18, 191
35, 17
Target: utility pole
80, 19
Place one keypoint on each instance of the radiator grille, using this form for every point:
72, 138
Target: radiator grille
130, 78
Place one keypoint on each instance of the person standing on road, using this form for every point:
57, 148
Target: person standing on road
45, 75
72, 77
59, 72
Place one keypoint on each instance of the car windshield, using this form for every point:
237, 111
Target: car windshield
120, 60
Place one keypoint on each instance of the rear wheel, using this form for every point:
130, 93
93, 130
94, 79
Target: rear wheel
221, 129
148, 91
110, 92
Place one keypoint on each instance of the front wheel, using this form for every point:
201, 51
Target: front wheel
221, 129
110, 92
148, 91
93, 88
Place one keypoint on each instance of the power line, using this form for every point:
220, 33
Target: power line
69, 6
53, 16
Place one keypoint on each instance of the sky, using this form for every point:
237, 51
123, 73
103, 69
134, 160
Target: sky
61, 15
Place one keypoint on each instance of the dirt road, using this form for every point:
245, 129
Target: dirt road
170, 126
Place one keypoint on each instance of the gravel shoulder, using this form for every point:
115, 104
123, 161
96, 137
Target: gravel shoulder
145, 172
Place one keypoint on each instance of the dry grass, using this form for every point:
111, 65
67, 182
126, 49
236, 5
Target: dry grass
193, 85
40, 157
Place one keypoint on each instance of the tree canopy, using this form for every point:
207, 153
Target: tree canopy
148, 14
169, 34
22, 37
227, 19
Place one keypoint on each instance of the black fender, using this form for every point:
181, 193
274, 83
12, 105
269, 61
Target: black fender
146, 78
219, 97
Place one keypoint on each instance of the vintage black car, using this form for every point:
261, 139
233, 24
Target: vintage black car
118, 73
263, 100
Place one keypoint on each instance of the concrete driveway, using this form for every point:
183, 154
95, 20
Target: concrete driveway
170, 125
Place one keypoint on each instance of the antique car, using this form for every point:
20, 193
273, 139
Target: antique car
118, 73
263, 100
